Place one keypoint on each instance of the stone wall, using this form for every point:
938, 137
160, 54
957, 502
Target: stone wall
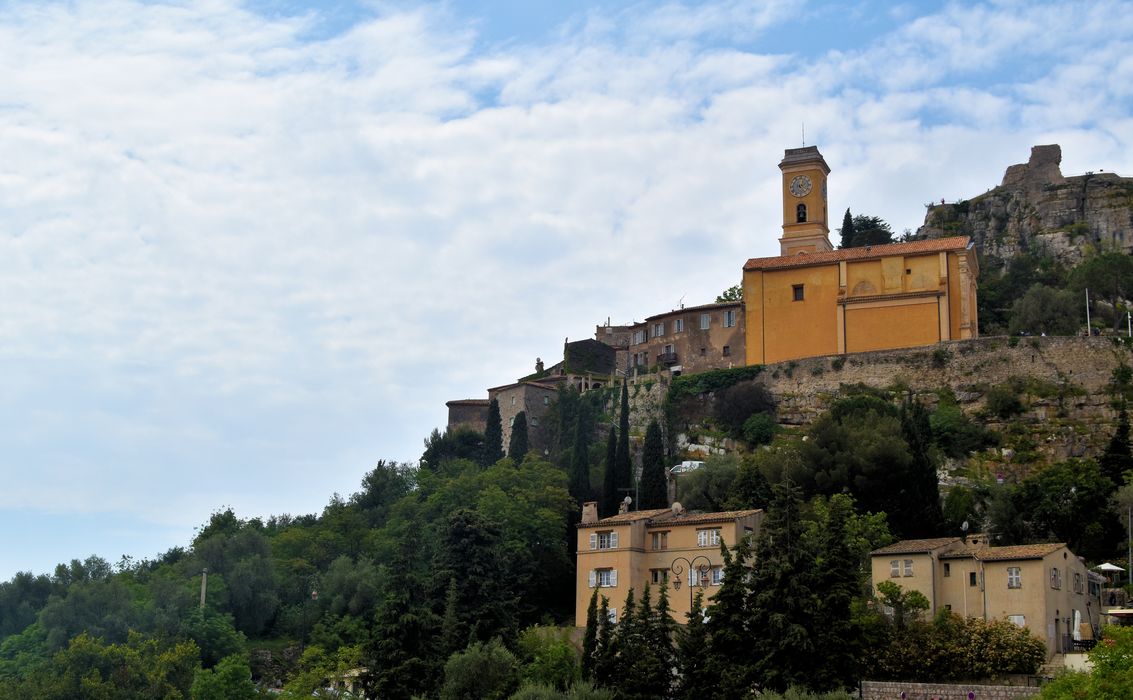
1068, 412
892, 690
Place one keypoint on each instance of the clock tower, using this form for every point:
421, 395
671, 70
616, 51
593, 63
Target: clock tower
805, 218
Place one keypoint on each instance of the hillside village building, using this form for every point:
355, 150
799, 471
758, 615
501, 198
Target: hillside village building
813, 300
662, 547
1042, 587
685, 340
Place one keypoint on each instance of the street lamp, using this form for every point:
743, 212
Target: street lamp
678, 570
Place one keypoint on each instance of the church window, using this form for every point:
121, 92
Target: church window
800, 214
797, 292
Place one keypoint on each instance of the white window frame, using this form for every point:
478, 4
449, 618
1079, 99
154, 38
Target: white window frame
1018, 620
604, 540
1055, 578
730, 318
612, 614
657, 329
1014, 577
708, 537
678, 325
894, 568
603, 578
907, 568
705, 321
717, 576
639, 336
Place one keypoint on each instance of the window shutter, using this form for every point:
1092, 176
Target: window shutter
613, 540
699, 538
692, 577
594, 540
593, 578
613, 577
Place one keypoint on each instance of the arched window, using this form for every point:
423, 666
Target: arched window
800, 214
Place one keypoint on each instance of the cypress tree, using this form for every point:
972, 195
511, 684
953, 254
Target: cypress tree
1117, 459
609, 502
623, 469
590, 638
580, 457
493, 436
654, 492
517, 445
606, 650
847, 230
918, 512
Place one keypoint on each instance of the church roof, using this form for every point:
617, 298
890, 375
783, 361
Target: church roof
932, 245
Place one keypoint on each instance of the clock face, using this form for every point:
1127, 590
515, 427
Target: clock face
800, 186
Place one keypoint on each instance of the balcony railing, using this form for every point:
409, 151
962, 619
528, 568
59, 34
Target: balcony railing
667, 358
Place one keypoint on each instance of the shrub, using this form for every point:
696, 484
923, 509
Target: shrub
760, 428
737, 403
1003, 401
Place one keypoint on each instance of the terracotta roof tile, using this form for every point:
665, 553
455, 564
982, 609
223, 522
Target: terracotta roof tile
665, 516
700, 518
1020, 551
932, 245
917, 546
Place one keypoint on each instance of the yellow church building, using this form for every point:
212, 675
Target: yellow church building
813, 300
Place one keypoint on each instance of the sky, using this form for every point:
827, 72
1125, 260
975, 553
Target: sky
250, 248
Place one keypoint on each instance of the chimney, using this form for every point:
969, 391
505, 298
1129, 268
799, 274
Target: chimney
590, 512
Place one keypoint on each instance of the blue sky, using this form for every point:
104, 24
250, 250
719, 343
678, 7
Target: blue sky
248, 249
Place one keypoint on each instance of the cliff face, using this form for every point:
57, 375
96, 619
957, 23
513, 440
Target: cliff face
1037, 209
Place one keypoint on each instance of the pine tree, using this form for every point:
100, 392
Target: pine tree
517, 445
838, 639
623, 469
654, 492
493, 436
1117, 459
609, 502
694, 656
730, 659
590, 638
847, 231
646, 672
783, 599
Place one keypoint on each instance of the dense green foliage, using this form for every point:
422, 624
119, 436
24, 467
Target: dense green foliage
517, 444
493, 435
1111, 676
862, 230
653, 491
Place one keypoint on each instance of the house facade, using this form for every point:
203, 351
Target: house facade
1042, 587
813, 300
688, 340
664, 547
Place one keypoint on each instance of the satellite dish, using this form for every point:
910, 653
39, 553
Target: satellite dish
964, 526
628, 500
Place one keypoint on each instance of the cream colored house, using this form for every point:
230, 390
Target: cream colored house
1042, 587
664, 547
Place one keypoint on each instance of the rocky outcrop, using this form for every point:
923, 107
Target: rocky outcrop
1037, 209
